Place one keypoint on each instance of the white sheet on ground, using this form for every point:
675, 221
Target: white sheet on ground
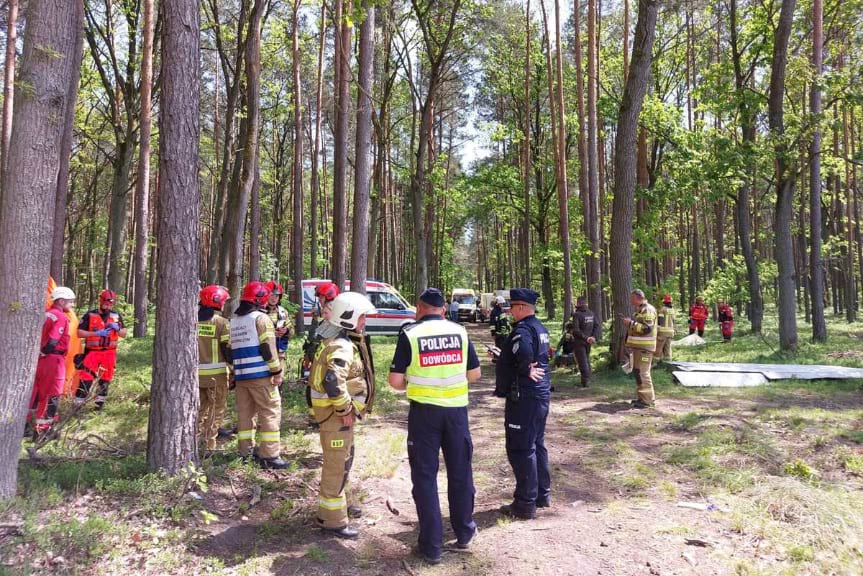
775, 371
691, 340
719, 379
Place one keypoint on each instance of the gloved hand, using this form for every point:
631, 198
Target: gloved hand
103, 333
114, 326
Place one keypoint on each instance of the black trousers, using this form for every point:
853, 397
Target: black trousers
525, 448
430, 430
582, 356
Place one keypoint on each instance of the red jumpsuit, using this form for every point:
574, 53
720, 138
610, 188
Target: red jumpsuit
100, 356
726, 321
698, 315
51, 369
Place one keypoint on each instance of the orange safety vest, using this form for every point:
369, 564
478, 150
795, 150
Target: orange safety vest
96, 324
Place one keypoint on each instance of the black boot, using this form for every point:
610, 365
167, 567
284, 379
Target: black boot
347, 532
273, 463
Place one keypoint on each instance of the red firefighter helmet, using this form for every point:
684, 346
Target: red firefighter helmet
214, 296
107, 297
327, 291
275, 288
667, 299
256, 293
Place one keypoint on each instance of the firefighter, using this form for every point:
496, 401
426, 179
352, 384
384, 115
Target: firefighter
665, 329
51, 368
434, 362
522, 377
641, 333
586, 330
342, 391
281, 320
726, 321
324, 296
698, 315
101, 329
258, 375
501, 324
214, 360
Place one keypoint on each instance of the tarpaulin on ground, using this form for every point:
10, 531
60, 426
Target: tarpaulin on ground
727, 373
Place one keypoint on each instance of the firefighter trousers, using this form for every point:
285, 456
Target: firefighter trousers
259, 407
641, 362
211, 412
337, 444
663, 348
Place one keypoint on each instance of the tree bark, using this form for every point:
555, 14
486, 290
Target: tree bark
340, 141
816, 267
62, 195
8, 89
562, 184
297, 171
171, 437
27, 211
142, 192
594, 286
316, 148
783, 242
525, 247
362, 173
625, 168
236, 223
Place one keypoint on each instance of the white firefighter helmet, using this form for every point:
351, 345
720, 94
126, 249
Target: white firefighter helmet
347, 308
62, 293
500, 300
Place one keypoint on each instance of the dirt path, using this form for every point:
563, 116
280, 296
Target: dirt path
595, 525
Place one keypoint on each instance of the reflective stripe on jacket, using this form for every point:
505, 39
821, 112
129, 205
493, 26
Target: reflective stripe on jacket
97, 323
437, 373
211, 364
665, 321
642, 330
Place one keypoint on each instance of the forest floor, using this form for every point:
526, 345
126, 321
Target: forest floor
779, 469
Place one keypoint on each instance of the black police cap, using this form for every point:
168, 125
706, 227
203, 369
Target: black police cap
432, 297
525, 295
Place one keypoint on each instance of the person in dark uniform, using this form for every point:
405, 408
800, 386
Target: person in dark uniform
587, 330
435, 361
522, 378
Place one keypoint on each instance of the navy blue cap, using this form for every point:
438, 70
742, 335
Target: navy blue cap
525, 295
432, 297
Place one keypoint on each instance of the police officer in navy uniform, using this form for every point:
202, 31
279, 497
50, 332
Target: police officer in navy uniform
522, 378
435, 361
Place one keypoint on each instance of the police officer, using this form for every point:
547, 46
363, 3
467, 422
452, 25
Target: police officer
435, 361
586, 331
641, 341
522, 378
258, 375
665, 329
214, 358
342, 390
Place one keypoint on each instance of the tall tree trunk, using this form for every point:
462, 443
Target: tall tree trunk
594, 286
255, 224
362, 174
816, 267
8, 89
142, 192
62, 195
562, 184
297, 170
316, 148
784, 250
340, 141
237, 218
625, 168
755, 307
525, 247
171, 436
119, 210
26, 212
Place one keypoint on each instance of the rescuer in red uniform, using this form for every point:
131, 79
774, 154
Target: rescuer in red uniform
102, 329
51, 368
698, 315
726, 321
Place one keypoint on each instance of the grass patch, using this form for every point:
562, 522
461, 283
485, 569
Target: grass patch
853, 463
688, 421
800, 469
380, 452
316, 554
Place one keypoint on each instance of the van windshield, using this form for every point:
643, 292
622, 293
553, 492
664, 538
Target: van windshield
465, 299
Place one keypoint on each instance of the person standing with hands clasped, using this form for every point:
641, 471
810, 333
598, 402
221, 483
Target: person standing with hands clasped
522, 377
586, 330
435, 361
342, 391
258, 376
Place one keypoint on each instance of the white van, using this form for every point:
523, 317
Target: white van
467, 304
393, 311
